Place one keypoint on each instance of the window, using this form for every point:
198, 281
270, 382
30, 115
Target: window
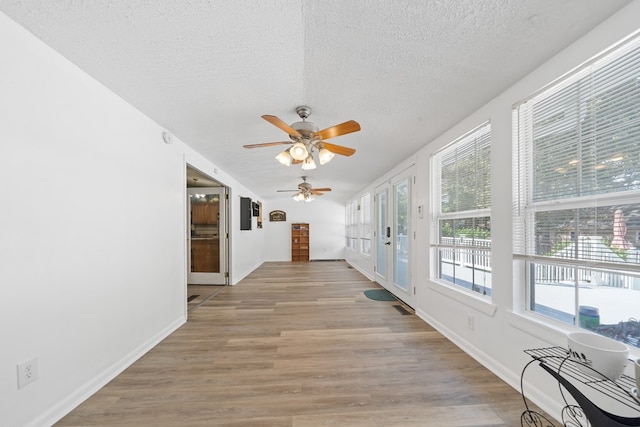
577, 196
365, 221
462, 190
352, 226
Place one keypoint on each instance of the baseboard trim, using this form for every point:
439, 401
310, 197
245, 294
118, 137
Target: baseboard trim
364, 273
533, 394
237, 279
63, 407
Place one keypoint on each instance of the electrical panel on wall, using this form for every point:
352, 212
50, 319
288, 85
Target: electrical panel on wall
245, 213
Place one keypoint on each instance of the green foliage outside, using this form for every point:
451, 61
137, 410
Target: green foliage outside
476, 233
558, 247
622, 253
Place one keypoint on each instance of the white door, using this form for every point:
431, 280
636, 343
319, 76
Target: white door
394, 236
207, 236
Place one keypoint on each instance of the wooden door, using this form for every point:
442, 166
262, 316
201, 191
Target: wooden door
207, 238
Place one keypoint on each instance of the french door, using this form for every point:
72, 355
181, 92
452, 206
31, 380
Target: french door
394, 236
207, 240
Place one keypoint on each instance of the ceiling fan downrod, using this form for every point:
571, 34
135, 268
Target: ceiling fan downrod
303, 111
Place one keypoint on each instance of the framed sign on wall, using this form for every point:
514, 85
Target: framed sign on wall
276, 216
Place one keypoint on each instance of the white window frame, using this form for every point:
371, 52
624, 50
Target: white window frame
365, 224
525, 207
352, 226
460, 250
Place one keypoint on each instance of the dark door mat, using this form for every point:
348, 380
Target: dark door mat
379, 295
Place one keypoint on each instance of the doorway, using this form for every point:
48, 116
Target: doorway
394, 236
207, 230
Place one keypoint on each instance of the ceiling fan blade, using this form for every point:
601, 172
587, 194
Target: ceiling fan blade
267, 144
338, 149
296, 162
317, 193
337, 130
282, 125
321, 189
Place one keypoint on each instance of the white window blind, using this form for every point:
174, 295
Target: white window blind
577, 163
465, 173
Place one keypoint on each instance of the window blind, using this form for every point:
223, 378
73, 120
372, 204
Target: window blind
465, 173
576, 163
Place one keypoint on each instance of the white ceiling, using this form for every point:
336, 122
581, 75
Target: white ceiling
406, 70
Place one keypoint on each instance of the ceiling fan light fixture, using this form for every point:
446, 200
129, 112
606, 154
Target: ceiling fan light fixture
306, 137
308, 163
284, 157
299, 151
325, 156
305, 191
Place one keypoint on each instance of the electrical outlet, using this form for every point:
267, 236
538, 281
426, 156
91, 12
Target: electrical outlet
27, 372
470, 321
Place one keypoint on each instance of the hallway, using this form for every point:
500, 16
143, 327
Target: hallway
299, 344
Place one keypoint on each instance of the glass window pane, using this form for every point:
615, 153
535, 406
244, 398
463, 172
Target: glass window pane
466, 260
401, 249
608, 301
365, 209
589, 234
586, 137
205, 241
381, 257
465, 178
366, 246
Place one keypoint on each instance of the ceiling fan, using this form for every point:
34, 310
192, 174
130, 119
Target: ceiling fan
306, 192
306, 138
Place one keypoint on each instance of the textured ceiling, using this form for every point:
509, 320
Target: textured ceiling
406, 70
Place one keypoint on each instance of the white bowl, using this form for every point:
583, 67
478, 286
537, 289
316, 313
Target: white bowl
603, 354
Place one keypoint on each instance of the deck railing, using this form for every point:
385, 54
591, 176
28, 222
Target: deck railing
475, 253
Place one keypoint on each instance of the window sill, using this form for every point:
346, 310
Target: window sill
548, 331
539, 327
478, 303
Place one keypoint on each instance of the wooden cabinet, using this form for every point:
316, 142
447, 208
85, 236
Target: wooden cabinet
204, 213
300, 242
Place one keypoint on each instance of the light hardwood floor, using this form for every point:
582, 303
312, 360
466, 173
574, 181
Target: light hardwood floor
298, 344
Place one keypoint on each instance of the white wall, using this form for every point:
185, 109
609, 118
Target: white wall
92, 230
326, 228
501, 331
246, 247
